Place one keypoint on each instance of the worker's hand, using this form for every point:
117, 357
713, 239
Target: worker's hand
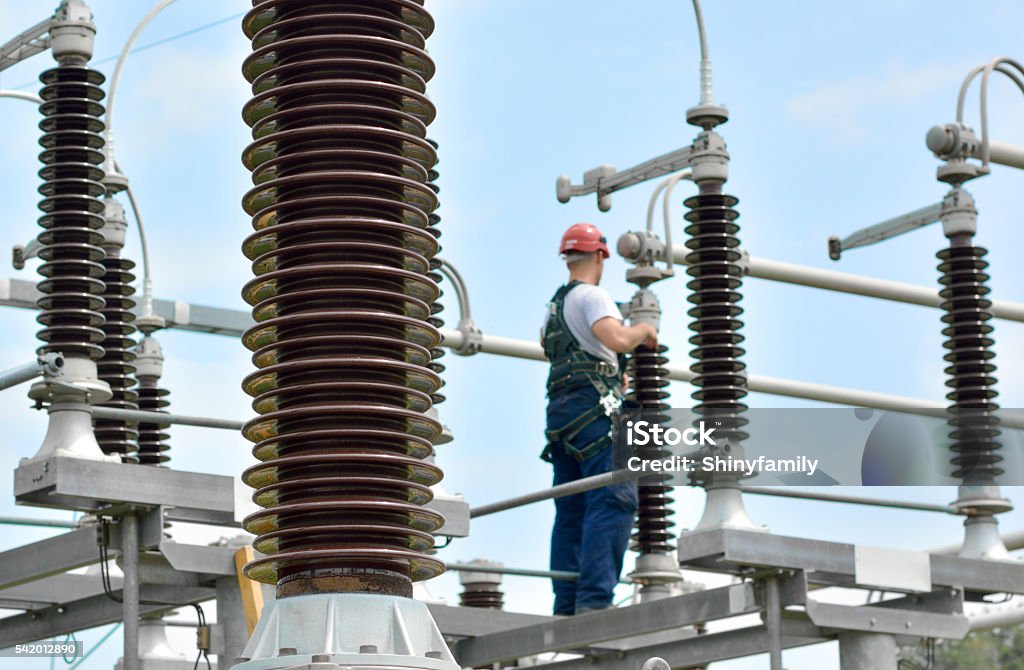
650, 336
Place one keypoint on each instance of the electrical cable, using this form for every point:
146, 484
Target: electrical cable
116, 77
69, 638
995, 65
160, 42
109, 592
178, 36
106, 636
147, 281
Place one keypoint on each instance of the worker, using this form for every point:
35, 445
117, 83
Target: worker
585, 340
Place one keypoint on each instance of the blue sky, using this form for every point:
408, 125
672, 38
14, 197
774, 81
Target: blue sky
829, 102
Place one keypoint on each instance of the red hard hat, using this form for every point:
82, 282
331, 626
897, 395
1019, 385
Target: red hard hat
584, 237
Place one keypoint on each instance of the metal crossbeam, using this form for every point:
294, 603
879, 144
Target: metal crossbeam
55, 590
701, 649
192, 497
94, 611
55, 555
461, 622
178, 315
834, 563
93, 485
592, 629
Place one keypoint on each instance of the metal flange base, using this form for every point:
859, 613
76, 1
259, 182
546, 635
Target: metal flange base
355, 630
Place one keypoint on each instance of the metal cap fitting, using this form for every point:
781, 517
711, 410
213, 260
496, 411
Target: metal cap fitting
644, 308
115, 226
958, 215
149, 359
709, 159
470, 577
72, 32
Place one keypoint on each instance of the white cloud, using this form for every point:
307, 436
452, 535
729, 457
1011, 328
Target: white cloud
842, 108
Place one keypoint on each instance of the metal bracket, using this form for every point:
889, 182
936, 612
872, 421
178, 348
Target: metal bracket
605, 180
20, 253
889, 228
889, 620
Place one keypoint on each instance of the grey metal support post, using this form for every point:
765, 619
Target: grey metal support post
867, 651
773, 622
231, 621
130, 586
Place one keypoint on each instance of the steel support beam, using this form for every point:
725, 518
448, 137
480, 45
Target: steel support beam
597, 627
833, 563
700, 650
94, 611
54, 590
177, 314
130, 589
52, 556
93, 485
71, 483
461, 622
231, 621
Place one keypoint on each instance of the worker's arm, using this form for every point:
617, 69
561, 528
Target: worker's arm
621, 338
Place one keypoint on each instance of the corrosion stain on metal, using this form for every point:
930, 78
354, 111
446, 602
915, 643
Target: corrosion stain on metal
344, 295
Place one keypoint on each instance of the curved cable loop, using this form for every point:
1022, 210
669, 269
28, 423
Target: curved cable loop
995, 65
472, 336
20, 95
116, 77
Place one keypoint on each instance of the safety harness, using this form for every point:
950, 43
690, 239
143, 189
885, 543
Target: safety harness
573, 368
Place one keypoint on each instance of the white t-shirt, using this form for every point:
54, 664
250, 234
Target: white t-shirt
584, 306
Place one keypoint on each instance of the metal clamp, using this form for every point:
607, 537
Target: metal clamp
472, 338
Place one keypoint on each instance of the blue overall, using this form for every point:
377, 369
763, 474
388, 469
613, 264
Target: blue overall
591, 530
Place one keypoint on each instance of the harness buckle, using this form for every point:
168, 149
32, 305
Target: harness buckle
611, 403
605, 369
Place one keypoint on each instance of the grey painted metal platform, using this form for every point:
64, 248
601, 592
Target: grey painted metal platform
834, 563
90, 486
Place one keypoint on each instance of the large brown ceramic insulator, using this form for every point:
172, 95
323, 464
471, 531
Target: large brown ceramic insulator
649, 380
116, 366
713, 264
72, 284
436, 307
342, 295
152, 437
974, 430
